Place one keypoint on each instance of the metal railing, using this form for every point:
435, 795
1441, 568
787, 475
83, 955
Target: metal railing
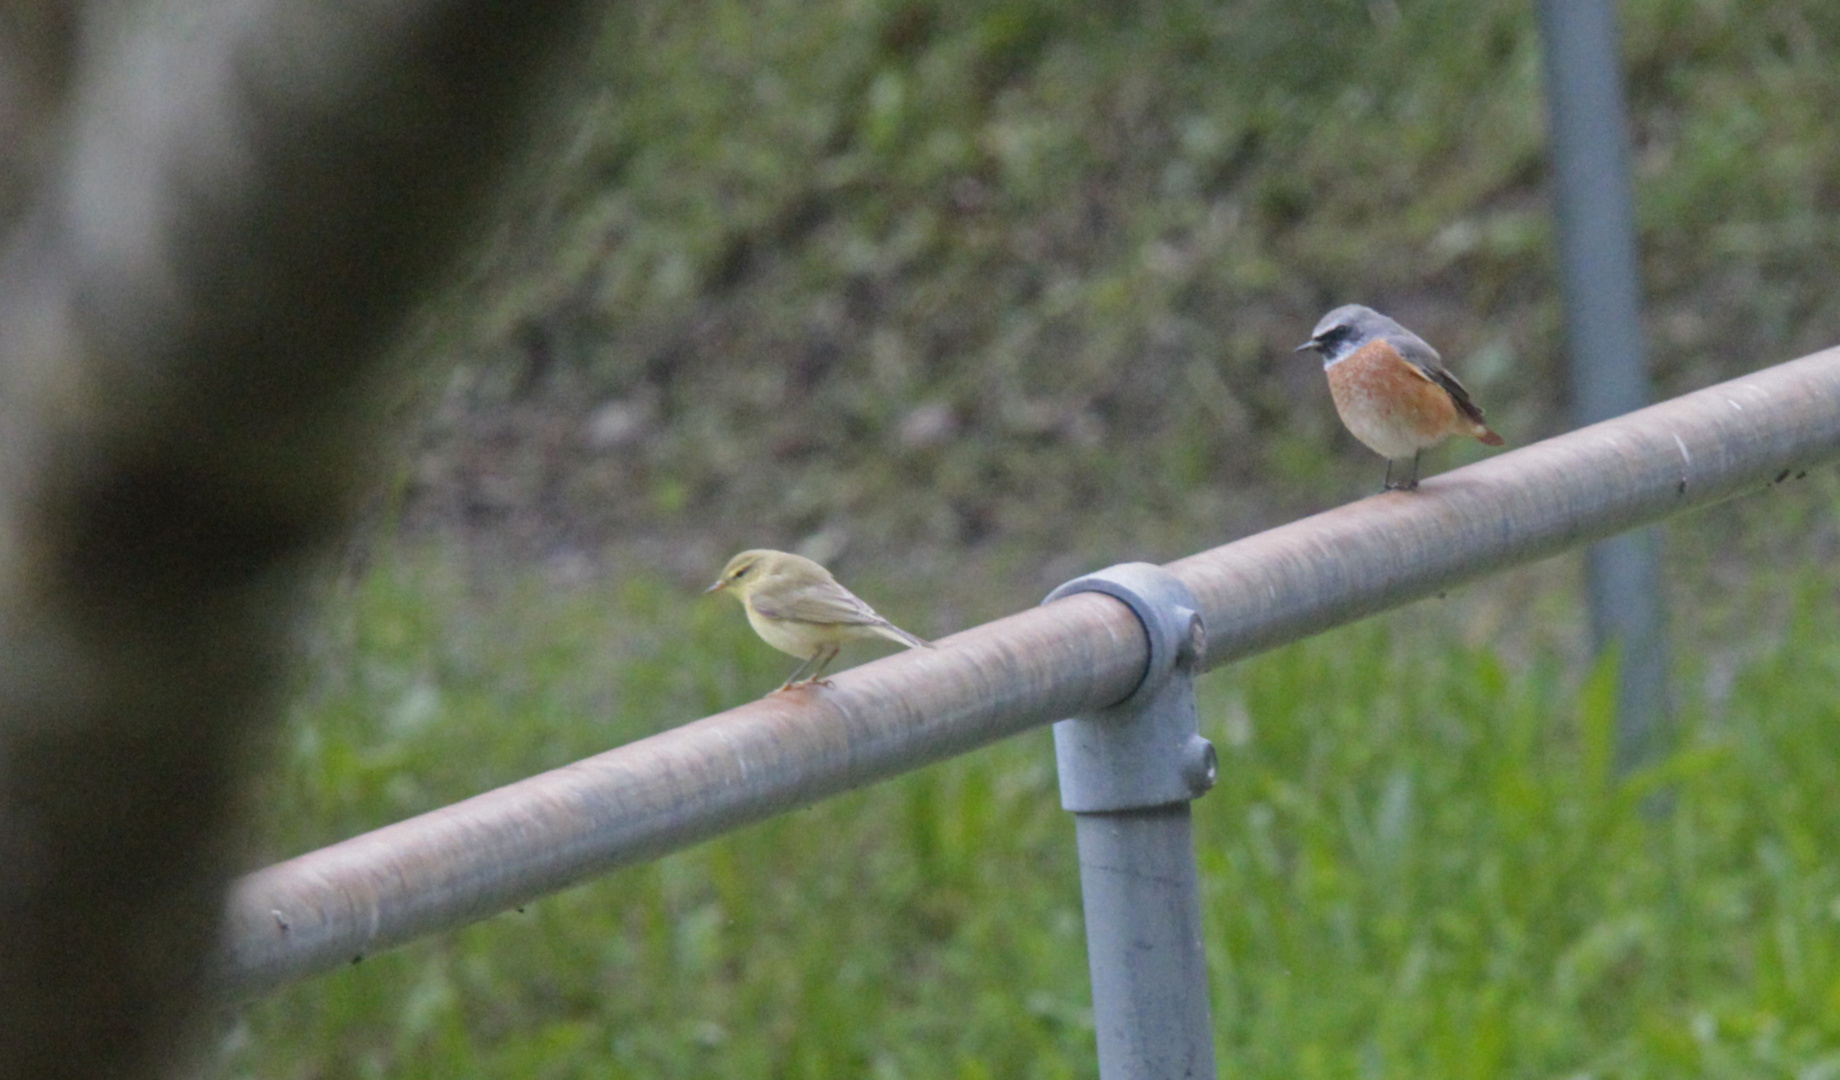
1075, 656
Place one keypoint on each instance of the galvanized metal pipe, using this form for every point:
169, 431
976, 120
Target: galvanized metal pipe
1127, 773
466, 861
1594, 201
1602, 280
486, 854
1141, 893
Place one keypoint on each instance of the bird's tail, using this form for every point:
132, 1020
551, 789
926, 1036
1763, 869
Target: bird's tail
1485, 436
895, 633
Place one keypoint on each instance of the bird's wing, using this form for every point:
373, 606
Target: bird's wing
1425, 360
824, 604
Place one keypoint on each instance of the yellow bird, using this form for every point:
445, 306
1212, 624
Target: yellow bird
797, 607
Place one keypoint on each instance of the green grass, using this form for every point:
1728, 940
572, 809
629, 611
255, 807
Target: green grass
1417, 863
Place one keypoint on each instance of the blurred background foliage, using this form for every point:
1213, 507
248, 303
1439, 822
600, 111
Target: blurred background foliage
965, 299
911, 277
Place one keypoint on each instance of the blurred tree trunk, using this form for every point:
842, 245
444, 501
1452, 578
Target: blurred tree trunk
214, 222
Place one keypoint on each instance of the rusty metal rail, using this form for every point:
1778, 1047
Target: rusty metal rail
489, 853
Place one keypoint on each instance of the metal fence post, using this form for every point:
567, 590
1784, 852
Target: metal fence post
1600, 270
1128, 773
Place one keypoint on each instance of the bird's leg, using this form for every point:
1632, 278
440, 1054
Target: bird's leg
792, 680
1410, 483
825, 657
819, 660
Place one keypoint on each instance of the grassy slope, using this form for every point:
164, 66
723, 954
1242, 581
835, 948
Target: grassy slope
911, 277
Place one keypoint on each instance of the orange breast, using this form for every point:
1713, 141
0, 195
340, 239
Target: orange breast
1388, 405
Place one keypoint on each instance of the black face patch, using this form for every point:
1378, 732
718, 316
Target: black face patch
1335, 338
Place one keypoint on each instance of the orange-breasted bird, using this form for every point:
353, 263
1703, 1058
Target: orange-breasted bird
1392, 389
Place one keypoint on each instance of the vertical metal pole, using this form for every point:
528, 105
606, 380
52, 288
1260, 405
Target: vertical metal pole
1128, 773
1602, 286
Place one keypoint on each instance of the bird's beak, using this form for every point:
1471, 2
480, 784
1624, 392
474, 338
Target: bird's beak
717, 587
1306, 346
